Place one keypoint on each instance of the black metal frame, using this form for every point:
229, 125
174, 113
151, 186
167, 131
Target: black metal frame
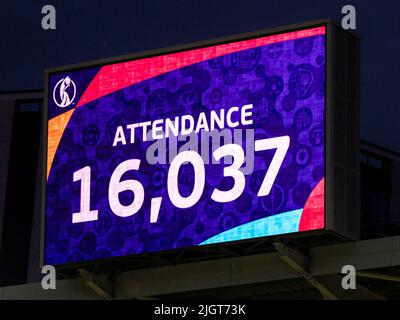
328, 23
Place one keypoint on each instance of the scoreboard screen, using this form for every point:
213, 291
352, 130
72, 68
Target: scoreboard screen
191, 147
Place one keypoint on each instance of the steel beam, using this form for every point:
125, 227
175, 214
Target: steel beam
236, 271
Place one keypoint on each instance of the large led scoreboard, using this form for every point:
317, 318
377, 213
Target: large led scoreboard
238, 138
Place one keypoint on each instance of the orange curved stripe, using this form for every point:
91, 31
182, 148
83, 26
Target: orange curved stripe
55, 130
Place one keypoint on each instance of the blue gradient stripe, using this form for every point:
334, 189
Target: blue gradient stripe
286, 222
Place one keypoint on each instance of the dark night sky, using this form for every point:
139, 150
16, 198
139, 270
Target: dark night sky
89, 30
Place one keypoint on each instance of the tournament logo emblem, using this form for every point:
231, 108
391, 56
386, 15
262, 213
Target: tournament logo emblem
64, 92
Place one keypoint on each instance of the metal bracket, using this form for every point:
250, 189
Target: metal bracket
99, 283
300, 263
378, 275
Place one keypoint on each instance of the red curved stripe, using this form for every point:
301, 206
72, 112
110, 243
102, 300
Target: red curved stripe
117, 76
313, 214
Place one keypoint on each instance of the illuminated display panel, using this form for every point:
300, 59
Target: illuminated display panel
133, 148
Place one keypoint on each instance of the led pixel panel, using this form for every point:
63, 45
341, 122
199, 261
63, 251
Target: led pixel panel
202, 146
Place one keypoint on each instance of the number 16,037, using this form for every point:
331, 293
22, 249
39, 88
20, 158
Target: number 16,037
116, 186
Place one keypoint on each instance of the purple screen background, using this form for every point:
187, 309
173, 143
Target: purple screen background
284, 81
